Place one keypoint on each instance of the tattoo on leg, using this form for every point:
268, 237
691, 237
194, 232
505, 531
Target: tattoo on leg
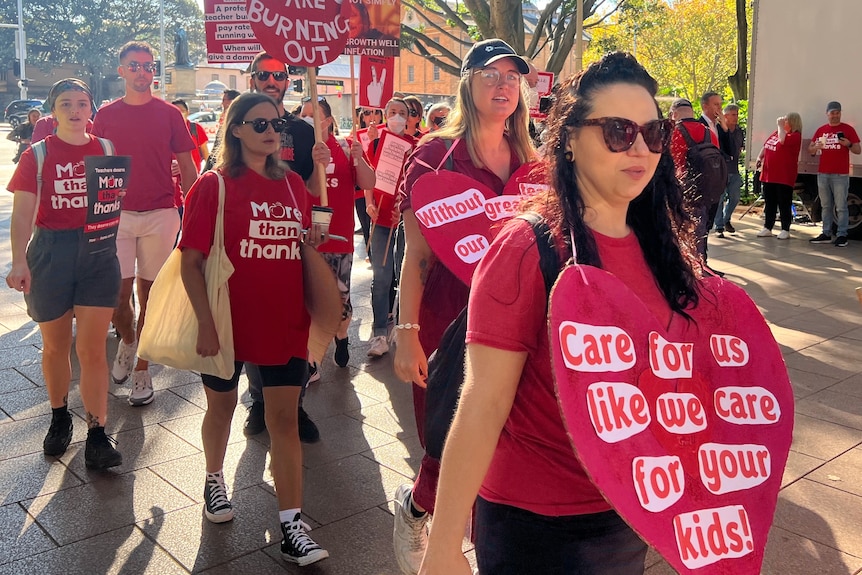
93, 421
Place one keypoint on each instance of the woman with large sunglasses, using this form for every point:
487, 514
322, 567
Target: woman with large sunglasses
487, 134
613, 193
263, 223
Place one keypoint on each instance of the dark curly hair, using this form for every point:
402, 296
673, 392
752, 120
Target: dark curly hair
657, 216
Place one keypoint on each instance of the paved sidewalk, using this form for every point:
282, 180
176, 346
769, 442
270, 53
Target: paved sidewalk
146, 517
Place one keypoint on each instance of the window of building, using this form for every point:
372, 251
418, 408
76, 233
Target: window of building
436, 73
214, 78
232, 82
410, 74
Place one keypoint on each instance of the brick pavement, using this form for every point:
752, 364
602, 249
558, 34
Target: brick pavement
146, 516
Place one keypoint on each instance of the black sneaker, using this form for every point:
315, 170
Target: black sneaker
729, 227
217, 506
342, 353
821, 239
308, 432
841, 242
720, 234
59, 435
255, 422
99, 452
297, 547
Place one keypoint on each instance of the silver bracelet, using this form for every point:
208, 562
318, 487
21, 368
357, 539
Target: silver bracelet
407, 326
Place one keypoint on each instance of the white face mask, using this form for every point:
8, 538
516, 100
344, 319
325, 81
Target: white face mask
396, 124
308, 120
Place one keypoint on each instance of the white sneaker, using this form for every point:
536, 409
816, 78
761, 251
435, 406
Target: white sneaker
142, 388
764, 233
379, 346
123, 362
410, 534
783, 235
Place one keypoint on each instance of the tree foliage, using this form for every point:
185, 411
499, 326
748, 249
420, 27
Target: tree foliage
89, 33
479, 19
688, 45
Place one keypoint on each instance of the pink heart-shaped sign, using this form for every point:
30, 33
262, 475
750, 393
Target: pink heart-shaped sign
459, 216
455, 215
303, 32
686, 429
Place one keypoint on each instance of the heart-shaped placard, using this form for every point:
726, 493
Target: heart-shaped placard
459, 216
686, 429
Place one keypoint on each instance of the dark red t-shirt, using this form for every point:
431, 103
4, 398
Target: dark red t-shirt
63, 203
835, 158
781, 161
151, 134
534, 466
444, 295
262, 231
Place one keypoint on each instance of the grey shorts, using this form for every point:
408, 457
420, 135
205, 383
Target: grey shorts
64, 274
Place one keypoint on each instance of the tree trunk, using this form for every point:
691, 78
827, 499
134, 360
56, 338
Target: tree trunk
507, 20
739, 80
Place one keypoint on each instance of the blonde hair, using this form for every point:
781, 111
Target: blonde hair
795, 121
463, 122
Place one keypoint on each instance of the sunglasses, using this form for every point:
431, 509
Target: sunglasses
259, 125
148, 67
493, 77
620, 134
413, 113
263, 75
438, 121
372, 113
307, 99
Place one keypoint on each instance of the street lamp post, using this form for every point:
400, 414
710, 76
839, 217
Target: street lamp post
22, 42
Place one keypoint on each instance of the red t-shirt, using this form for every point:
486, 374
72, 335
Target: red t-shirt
385, 202
63, 204
199, 137
444, 295
679, 147
534, 466
151, 134
781, 161
340, 184
835, 158
262, 231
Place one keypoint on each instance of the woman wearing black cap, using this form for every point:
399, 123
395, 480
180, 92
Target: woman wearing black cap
488, 137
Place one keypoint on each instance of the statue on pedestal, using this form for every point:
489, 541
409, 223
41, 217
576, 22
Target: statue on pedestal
181, 49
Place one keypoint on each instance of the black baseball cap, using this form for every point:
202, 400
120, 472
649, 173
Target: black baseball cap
489, 51
833, 106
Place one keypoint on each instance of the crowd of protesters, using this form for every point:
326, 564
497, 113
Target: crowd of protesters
610, 157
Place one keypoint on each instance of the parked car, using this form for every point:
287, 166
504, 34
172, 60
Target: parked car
17, 109
208, 120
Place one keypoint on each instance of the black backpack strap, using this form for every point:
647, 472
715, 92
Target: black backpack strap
549, 260
686, 135
450, 163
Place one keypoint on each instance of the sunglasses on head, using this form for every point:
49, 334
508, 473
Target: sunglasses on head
259, 125
263, 75
620, 134
307, 99
149, 67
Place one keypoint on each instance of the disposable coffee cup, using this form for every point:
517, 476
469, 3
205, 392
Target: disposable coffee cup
321, 215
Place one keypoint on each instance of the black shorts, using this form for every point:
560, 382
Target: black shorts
292, 374
64, 274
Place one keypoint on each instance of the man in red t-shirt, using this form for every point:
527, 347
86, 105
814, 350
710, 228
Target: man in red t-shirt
152, 132
834, 141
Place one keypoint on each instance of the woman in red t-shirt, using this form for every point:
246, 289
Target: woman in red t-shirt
263, 222
61, 275
487, 137
778, 163
537, 511
347, 170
